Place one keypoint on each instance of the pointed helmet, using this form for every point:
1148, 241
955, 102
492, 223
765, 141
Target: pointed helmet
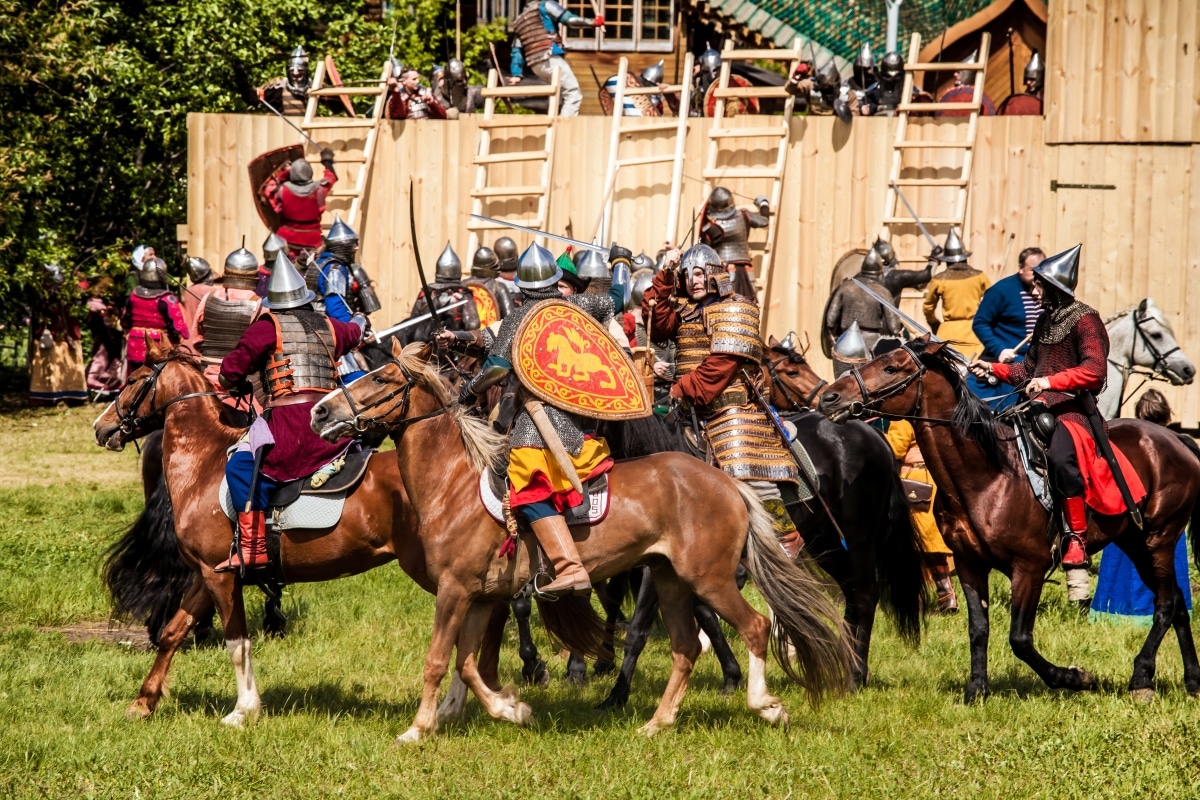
286, 287
967, 76
886, 252
485, 264
851, 346
449, 267
341, 241
506, 251
954, 252
591, 264
273, 246
241, 260
653, 74
1061, 271
537, 268
1035, 70
198, 270
872, 263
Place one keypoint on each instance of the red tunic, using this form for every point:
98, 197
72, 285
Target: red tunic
192, 296
301, 227
965, 94
1078, 363
1021, 105
298, 451
152, 318
398, 101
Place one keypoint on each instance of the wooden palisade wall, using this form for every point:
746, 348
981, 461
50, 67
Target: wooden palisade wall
1140, 238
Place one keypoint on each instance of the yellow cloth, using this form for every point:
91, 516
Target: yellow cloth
960, 299
903, 440
57, 372
525, 461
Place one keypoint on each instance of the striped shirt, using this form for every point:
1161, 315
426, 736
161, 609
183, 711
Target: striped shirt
1033, 310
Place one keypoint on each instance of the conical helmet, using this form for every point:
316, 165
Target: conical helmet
642, 261
851, 346
1035, 70
892, 67
886, 252
953, 252
241, 270
640, 282
341, 241
537, 269
273, 246
152, 277
506, 251
710, 61
591, 264
653, 74
449, 266
286, 287
1061, 271
720, 202
864, 65
198, 270
827, 76
485, 263
872, 263
789, 342
967, 76
298, 59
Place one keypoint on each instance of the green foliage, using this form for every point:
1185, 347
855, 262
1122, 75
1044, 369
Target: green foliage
94, 97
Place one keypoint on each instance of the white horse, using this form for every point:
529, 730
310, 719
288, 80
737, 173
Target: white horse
1141, 343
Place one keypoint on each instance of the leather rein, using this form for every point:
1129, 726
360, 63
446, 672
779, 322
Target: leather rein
871, 398
798, 403
362, 423
129, 422
1158, 370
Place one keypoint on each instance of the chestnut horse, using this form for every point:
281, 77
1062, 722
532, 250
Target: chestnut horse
972, 455
689, 522
183, 531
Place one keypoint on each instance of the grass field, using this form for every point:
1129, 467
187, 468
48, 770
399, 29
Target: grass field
345, 682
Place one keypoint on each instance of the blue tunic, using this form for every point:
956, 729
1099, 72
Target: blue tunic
1120, 593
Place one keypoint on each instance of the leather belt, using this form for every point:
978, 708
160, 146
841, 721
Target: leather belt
299, 399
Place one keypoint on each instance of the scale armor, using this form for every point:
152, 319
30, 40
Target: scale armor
735, 224
224, 322
536, 42
850, 304
301, 362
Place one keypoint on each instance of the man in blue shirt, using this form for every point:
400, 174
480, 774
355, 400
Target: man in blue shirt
539, 47
1005, 317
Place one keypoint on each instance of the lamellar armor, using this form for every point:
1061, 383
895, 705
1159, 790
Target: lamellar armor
536, 42
224, 322
727, 227
303, 357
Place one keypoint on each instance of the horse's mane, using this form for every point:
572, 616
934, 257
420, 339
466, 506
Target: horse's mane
484, 446
973, 419
1154, 312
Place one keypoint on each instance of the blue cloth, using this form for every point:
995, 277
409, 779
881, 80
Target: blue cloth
999, 324
336, 306
1120, 593
532, 512
516, 66
238, 471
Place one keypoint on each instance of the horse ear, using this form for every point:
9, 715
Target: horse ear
155, 350
1146, 303
397, 348
772, 342
426, 352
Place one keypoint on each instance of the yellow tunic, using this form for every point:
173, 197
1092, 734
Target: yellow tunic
960, 297
903, 440
525, 462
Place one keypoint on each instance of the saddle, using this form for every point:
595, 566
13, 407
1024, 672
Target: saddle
298, 504
592, 511
1033, 431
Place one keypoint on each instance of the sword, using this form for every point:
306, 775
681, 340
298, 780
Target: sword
430, 301
408, 323
584, 245
1088, 401
912, 323
279, 114
916, 219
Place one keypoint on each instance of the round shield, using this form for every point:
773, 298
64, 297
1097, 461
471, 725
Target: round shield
485, 304
733, 105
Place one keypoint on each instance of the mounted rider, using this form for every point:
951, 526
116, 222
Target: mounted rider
718, 350
273, 245
540, 492
226, 312
343, 286
726, 228
448, 289
849, 304
152, 312
294, 349
506, 252
1065, 368
201, 282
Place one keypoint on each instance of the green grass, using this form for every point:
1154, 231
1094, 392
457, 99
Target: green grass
345, 682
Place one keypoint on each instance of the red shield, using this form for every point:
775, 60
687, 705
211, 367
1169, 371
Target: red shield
733, 105
485, 304
563, 357
262, 169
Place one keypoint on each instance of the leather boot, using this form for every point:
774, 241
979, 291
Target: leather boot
569, 575
792, 543
939, 571
252, 543
1075, 514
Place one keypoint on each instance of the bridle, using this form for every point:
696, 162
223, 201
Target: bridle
798, 403
129, 422
873, 397
1158, 371
402, 395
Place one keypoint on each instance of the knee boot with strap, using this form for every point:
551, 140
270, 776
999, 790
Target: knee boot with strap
251, 552
1075, 516
785, 530
569, 575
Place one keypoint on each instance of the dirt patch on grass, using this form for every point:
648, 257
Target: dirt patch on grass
129, 636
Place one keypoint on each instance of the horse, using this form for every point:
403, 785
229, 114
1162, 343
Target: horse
689, 522
183, 534
972, 455
1144, 344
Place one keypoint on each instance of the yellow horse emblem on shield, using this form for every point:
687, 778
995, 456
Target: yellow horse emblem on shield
573, 362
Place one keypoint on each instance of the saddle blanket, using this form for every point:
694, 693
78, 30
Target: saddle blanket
596, 503
309, 511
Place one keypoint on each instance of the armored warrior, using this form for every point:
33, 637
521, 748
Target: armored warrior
448, 289
891, 83
450, 89
408, 99
300, 201
539, 490
849, 351
200, 283
959, 288
294, 349
863, 84
152, 312
344, 286
718, 350
707, 70
273, 245
537, 45
963, 91
831, 95
289, 95
640, 105
485, 272
594, 273
1064, 370
896, 280
226, 312
849, 304
726, 228
662, 353
506, 252
1029, 102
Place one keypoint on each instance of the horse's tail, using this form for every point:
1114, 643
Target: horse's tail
1194, 522
571, 622
143, 570
898, 568
805, 615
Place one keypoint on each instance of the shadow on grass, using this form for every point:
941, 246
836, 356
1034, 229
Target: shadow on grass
324, 698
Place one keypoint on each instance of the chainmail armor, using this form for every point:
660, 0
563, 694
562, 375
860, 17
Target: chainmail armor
1076, 333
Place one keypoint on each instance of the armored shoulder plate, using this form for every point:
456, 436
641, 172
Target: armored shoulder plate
733, 326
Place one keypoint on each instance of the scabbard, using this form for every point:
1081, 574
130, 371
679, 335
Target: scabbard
553, 442
1088, 402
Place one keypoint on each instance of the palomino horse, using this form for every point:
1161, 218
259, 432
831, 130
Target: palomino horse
1140, 342
973, 457
689, 522
184, 530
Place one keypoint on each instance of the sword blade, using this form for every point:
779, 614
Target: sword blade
916, 219
279, 114
408, 323
912, 323
430, 301
583, 245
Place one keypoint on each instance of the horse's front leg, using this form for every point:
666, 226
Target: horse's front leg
196, 604
499, 704
449, 611
1027, 583
975, 589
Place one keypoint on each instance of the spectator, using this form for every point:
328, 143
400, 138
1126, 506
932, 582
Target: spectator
1005, 317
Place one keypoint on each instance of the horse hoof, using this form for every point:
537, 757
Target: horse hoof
1087, 683
613, 700
651, 728
520, 714
410, 736
975, 695
604, 668
730, 686
139, 710
775, 714
1142, 697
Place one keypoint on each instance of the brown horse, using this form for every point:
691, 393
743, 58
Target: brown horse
184, 529
690, 523
973, 458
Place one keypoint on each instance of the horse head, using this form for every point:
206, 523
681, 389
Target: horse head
794, 384
1153, 345
138, 408
887, 384
406, 387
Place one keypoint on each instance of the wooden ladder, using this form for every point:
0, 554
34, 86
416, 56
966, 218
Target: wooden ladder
484, 191
894, 212
633, 127
349, 188
778, 128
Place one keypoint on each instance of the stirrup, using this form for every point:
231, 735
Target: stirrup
546, 597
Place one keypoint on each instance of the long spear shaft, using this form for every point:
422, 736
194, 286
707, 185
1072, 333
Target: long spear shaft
279, 114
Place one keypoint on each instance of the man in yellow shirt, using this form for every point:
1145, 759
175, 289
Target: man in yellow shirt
959, 288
